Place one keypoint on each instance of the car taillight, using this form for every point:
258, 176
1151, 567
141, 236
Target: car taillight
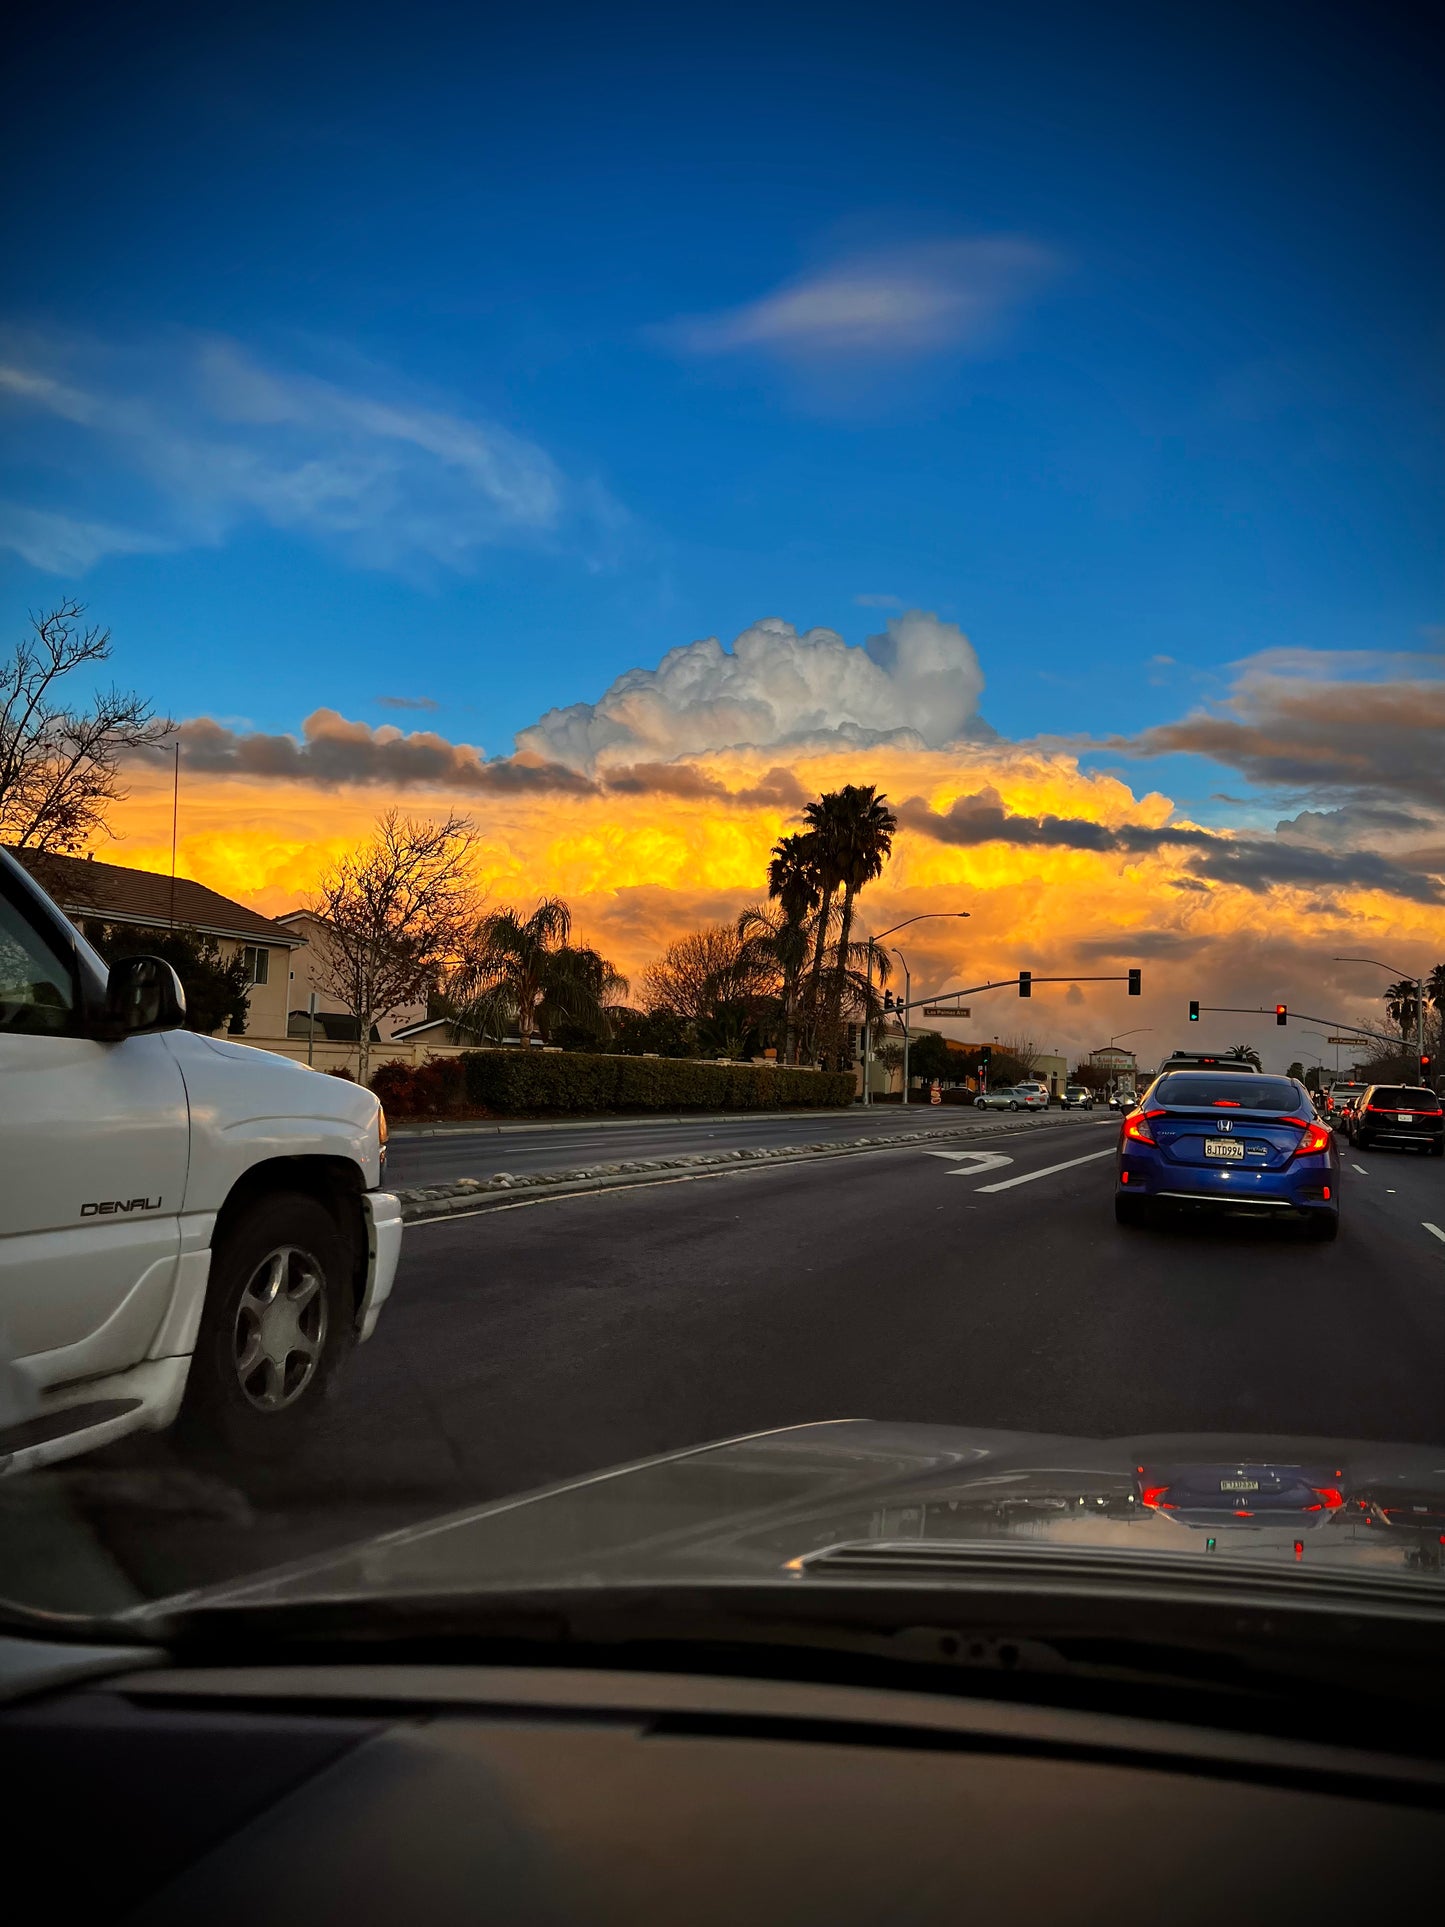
1329, 1497
1317, 1137
1136, 1126
1153, 1495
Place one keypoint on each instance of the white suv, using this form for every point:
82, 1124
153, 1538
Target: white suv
188, 1227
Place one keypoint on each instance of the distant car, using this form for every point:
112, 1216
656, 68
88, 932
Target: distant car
1342, 1102
1228, 1142
1012, 1097
1078, 1097
1122, 1101
1398, 1115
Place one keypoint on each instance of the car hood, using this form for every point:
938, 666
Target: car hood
777, 1504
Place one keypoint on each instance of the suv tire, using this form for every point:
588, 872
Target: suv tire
276, 1325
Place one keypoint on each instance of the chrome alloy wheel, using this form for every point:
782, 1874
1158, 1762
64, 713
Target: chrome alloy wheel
280, 1328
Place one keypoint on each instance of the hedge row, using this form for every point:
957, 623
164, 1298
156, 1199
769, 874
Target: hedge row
510, 1082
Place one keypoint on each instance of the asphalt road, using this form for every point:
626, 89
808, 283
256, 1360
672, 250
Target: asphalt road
540, 1338
455, 1152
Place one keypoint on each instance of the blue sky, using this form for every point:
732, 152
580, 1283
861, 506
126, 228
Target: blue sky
436, 354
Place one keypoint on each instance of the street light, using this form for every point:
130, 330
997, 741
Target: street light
907, 999
1137, 1031
1419, 983
873, 942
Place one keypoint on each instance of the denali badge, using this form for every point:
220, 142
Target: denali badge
119, 1204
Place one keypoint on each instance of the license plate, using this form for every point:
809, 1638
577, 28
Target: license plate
1239, 1485
1224, 1147
1404, 1117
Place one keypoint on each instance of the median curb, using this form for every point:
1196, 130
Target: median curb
433, 1201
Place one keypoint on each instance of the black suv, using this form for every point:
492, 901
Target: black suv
1395, 1114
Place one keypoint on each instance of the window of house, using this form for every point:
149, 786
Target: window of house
258, 962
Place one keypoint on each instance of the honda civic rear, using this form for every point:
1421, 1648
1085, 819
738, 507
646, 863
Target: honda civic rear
1227, 1144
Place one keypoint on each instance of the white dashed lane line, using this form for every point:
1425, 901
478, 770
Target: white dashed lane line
1361, 1169
1434, 1231
1007, 1184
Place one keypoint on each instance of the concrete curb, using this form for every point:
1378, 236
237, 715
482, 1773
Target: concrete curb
483, 1127
423, 1203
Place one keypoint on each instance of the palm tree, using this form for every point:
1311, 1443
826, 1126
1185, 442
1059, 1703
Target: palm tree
525, 967
865, 827
823, 841
793, 885
1402, 1001
1248, 1053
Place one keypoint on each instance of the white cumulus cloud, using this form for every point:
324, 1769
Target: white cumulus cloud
919, 680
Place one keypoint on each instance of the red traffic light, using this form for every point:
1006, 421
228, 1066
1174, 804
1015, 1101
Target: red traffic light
1281, 1013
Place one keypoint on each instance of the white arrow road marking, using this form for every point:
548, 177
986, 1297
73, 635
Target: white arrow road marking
977, 1162
1007, 1184
1434, 1230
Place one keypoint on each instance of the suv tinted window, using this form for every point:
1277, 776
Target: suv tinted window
1252, 1093
1407, 1097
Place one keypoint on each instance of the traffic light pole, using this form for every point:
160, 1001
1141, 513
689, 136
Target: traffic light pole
1305, 1016
1009, 983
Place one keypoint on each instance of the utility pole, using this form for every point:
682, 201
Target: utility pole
903, 1019
873, 943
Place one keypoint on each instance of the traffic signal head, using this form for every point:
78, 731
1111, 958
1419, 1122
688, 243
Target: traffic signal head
986, 1055
1194, 1010
1426, 1065
888, 1000
1281, 1013
1136, 983
1026, 983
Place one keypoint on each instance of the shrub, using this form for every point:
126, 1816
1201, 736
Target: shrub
510, 1081
435, 1087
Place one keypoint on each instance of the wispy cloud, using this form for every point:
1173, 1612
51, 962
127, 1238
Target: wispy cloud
68, 544
895, 303
217, 440
407, 702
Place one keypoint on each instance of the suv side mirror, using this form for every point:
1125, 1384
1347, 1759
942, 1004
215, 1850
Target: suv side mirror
141, 994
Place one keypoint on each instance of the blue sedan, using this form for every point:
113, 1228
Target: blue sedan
1224, 1142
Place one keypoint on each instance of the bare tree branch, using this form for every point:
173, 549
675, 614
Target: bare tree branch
395, 912
59, 765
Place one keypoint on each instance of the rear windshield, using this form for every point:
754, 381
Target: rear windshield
1205, 1087
1405, 1097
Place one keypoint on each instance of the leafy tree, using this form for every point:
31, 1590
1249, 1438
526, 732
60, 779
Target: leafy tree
525, 970
1248, 1053
724, 983
929, 1057
635, 1033
215, 985
1296, 1069
394, 912
59, 763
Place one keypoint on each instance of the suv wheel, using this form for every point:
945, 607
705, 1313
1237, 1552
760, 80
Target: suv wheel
275, 1327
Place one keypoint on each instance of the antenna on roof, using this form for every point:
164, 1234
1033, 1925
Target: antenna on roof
175, 813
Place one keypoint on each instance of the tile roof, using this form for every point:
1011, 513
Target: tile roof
83, 887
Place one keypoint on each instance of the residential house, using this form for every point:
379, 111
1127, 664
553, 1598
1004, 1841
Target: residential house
308, 960
85, 889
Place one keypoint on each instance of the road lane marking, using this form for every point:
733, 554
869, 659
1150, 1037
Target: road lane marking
1007, 1184
1434, 1230
978, 1162
1361, 1169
